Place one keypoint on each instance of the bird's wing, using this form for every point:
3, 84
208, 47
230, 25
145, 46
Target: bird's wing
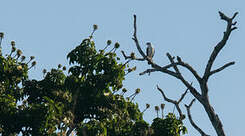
147, 51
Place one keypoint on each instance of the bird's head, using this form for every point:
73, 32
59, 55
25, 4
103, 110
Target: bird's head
148, 44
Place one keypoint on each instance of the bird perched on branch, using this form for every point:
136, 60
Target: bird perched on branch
150, 51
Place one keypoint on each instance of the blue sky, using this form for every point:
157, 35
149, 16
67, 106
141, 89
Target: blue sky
190, 29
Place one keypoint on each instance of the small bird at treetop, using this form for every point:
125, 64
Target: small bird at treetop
150, 51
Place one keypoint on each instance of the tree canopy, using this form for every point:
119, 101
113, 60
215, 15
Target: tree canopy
87, 99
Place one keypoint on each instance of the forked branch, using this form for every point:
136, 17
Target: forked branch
176, 103
193, 91
230, 27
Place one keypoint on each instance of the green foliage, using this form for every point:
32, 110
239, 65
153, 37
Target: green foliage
92, 128
12, 74
92, 75
169, 126
86, 99
140, 127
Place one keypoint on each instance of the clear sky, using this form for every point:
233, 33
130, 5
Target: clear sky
49, 29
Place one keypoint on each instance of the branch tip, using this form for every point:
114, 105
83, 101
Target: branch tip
234, 23
234, 28
234, 15
221, 68
222, 15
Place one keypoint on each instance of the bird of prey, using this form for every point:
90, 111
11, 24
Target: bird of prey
150, 51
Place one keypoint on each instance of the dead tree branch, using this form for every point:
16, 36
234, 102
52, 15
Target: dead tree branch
187, 66
176, 103
130, 57
213, 117
230, 27
221, 68
186, 83
155, 66
164, 69
191, 120
203, 96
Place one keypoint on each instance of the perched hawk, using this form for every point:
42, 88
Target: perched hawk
150, 51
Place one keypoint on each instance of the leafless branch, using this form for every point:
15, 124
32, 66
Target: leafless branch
161, 70
203, 96
176, 103
136, 40
191, 121
147, 71
171, 59
165, 97
187, 66
155, 66
129, 57
139, 48
221, 44
176, 74
192, 70
221, 68
193, 91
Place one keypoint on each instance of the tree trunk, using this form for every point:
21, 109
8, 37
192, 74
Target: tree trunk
213, 117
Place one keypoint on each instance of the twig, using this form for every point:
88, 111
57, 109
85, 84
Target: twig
129, 57
161, 70
136, 40
221, 68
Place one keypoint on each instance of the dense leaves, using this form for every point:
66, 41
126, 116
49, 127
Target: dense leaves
169, 126
89, 99
12, 74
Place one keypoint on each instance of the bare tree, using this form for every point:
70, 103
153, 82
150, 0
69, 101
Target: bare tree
201, 96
